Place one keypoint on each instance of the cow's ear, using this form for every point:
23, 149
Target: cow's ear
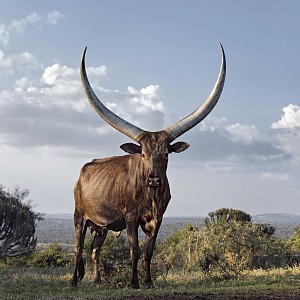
178, 147
131, 148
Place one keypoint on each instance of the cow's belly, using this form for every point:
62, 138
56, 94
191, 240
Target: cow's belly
103, 216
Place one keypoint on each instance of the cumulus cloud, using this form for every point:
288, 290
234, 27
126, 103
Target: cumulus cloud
244, 133
52, 110
213, 123
24, 61
144, 107
288, 140
286, 133
238, 133
54, 16
290, 118
5, 62
19, 26
4, 35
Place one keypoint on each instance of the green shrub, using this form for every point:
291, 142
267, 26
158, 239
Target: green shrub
54, 256
226, 245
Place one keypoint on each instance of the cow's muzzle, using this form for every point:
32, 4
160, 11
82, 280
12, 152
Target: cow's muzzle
154, 182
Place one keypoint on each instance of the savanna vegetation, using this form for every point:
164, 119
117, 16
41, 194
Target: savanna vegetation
228, 257
17, 223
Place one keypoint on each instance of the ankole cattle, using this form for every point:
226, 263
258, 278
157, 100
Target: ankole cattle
125, 192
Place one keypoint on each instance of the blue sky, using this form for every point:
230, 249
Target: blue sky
154, 62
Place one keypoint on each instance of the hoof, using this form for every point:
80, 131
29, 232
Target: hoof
96, 282
73, 283
135, 286
149, 285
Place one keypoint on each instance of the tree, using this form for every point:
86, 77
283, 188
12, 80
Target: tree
226, 214
17, 224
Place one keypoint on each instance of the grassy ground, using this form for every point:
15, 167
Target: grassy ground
47, 283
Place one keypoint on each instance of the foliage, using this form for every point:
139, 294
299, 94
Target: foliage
295, 240
17, 224
54, 256
175, 253
228, 215
231, 245
228, 243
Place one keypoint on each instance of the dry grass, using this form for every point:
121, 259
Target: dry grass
50, 284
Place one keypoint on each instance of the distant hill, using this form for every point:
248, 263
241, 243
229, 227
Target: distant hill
59, 228
279, 218
59, 216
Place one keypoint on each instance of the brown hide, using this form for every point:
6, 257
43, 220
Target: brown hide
112, 190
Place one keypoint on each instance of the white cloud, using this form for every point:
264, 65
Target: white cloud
290, 119
22, 62
147, 98
5, 62
244, 133
4, 35
143, 107
57, 74
275, 176
20, 26
54, 16
213, 123
286, 135
247, 137
288, 140
25, 61
52, 111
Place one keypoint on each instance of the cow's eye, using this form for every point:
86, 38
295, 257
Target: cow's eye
143, 155
166, 155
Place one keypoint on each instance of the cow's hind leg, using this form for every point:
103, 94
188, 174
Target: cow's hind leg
80, 230
98, 241
81, 271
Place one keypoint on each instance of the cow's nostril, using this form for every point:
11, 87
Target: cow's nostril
154, 181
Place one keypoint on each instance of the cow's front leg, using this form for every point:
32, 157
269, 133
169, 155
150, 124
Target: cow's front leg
149, 248
135, 252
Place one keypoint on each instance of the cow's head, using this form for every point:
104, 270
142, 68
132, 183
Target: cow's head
154, 147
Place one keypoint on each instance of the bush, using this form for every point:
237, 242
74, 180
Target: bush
227, 244
54, 256
17, 224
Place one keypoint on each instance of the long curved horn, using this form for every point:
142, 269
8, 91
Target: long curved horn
115, 121
199, 114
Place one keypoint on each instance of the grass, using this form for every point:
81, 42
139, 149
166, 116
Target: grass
50, 283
